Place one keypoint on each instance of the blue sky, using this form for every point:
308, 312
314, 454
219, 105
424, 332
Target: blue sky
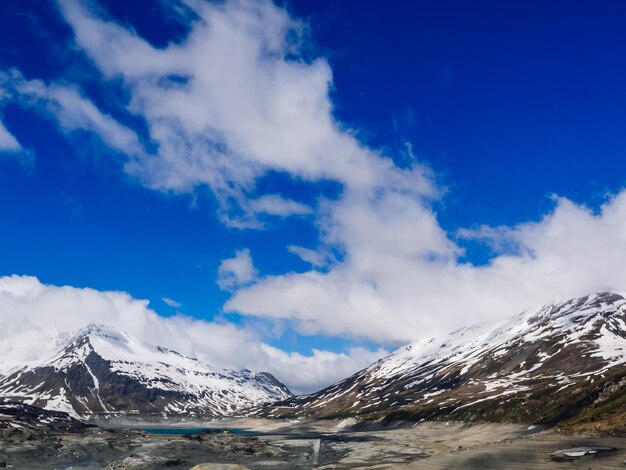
439, 162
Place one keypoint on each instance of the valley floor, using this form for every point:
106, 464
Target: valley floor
313, 444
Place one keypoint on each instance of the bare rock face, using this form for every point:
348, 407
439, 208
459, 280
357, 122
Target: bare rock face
218, 466
18, 418
103, 371
562, 362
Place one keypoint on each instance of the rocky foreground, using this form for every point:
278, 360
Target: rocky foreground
35, 439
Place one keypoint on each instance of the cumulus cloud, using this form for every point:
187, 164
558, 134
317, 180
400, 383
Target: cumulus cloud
321, 364
397, 275
237, 271
56, 312
385, 292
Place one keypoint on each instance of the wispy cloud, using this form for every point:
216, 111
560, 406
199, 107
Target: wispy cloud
11, 148
313, 257
273, 204
8, 142
171, 302
71, 110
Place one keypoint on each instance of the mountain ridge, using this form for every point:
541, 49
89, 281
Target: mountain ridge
100, 370
543, 366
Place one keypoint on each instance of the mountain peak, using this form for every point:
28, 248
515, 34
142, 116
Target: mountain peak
102, 370
98, 330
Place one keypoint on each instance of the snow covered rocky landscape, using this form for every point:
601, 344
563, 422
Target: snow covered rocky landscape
552, 379
101, 371
562, 362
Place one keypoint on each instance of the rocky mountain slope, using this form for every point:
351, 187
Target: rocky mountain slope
563, 362
100, 370
18, 417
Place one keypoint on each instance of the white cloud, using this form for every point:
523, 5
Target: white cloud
314, 258
68, 106
231, 102
8, 142
273, 204
398, 276
171, 302
215, 126
27, 304
386, 291
237, 271
306, 370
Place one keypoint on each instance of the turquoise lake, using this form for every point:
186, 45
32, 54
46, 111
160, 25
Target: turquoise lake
196, 430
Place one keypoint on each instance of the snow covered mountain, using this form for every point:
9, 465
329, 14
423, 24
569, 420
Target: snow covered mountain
563, 361
102, 370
